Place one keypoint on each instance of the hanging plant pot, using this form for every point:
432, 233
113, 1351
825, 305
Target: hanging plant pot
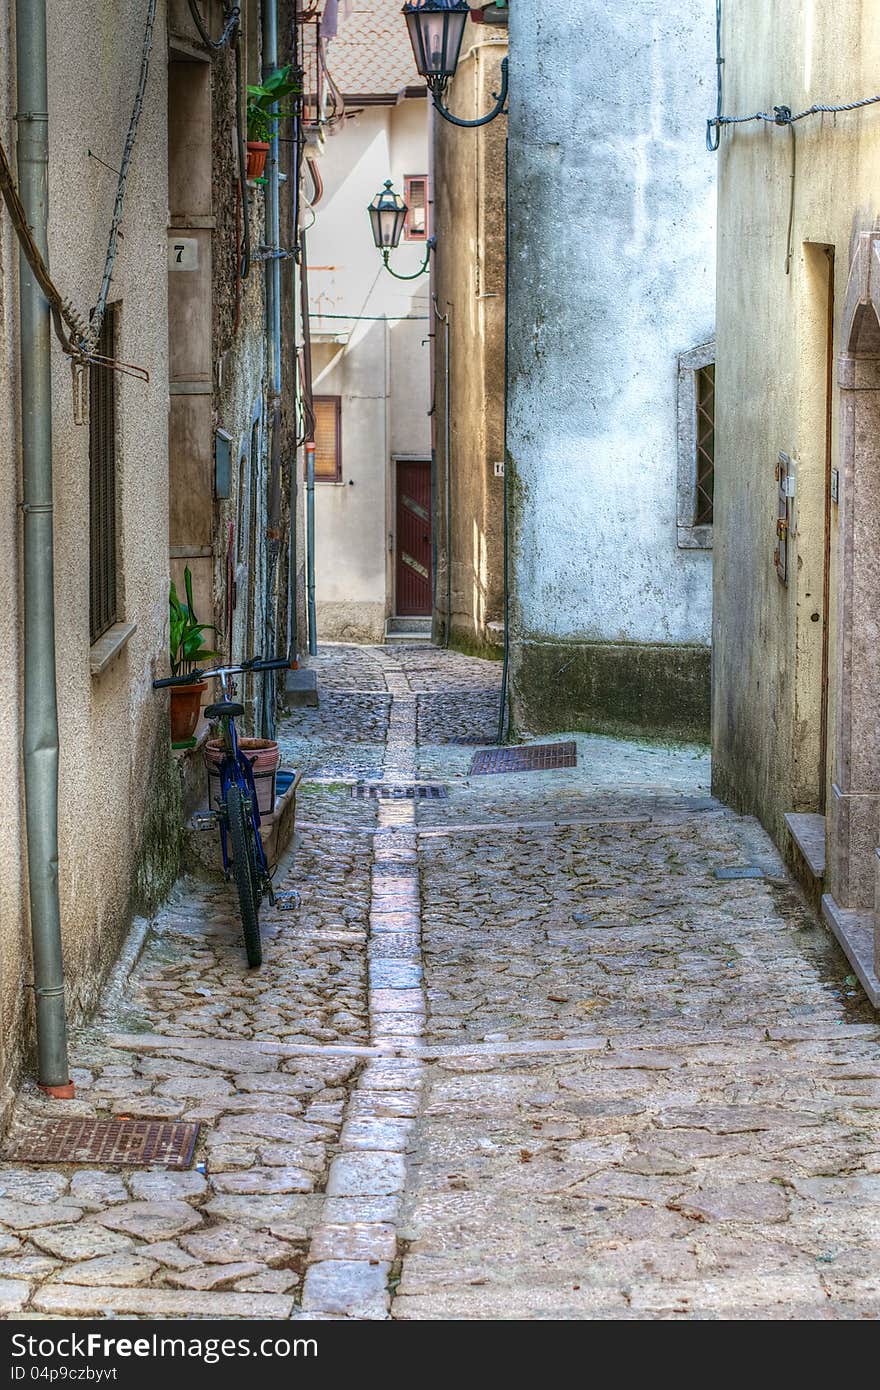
186, 702
257, 151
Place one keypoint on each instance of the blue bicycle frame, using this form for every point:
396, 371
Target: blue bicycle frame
236, 769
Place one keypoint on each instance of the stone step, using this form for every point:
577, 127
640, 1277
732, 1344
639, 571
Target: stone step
408, 630
808, 833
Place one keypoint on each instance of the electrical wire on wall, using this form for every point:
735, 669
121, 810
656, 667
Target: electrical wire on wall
79, 343
780, 115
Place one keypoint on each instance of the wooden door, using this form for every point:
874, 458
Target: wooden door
413, 577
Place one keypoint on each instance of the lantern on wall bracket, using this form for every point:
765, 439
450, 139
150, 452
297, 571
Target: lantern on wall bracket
388, 218
436, 30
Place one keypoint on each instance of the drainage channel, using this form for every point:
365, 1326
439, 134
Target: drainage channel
354, 1246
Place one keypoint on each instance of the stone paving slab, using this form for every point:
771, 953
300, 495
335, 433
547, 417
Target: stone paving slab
520, 1054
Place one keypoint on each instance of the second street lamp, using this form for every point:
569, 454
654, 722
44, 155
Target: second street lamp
436, 30
388, 218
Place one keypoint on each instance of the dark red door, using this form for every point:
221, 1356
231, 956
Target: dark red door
413, 539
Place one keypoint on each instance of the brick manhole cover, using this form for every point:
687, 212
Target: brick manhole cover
387, 792
137, 1143
536, 757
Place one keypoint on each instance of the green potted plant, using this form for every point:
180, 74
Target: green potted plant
187, 648
261, 119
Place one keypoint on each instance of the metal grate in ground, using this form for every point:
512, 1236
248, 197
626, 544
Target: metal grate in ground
535, 757
387, 792
137, 1143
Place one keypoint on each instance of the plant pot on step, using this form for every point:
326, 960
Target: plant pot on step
186, 701
263, 755
257, 152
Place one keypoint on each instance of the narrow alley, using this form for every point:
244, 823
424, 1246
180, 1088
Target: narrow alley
530, 1047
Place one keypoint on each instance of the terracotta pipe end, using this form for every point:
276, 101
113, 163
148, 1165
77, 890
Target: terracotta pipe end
65, 1092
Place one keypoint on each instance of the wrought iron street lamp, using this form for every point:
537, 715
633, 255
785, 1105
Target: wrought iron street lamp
436, 30
387, 218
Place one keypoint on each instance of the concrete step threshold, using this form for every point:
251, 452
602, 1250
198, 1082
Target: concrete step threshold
400, 630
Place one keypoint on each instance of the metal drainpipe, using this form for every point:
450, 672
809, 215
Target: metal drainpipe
447, 427
273, 344
40, 705
310, 546
505, 665
292, 547
310, 446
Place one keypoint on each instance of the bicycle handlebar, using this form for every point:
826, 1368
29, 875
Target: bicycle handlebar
277, 664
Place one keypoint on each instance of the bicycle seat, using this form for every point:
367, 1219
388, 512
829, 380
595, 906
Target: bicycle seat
224, 709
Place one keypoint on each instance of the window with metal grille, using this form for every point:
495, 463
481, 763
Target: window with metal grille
705, 388
328, 438
695, 484
415, 195
102, 484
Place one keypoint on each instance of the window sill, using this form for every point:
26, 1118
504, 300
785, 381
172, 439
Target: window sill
695, 537
109, 645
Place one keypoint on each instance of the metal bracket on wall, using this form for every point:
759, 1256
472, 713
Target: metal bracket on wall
785, 492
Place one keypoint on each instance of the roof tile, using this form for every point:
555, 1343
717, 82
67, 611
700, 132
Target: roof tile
371, 54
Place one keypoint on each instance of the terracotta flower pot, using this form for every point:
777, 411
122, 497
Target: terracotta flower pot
257, 150
186, 702
263, 754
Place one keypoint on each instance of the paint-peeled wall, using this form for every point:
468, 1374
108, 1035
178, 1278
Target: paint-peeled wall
113, 739
369, 348
612, 278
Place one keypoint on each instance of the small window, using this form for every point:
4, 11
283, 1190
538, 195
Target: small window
696, 447
328, 438
415, 195
102, 485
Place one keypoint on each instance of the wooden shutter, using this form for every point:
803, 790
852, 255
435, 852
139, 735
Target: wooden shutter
102, 484
328, 438
415, 195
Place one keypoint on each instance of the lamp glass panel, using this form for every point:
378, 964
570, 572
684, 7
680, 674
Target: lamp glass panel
387, 217
436, 40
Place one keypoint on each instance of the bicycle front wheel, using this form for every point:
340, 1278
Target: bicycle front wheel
244, 866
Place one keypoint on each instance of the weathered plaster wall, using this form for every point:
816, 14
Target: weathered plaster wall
772, 357
111, 726
612, 262
469, 283
380, 369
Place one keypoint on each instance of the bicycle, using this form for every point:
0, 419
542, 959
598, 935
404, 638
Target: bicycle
238, 814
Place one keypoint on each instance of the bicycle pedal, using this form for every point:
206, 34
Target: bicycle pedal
287, 901
205, 820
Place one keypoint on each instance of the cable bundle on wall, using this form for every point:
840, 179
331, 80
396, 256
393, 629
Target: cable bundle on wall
780, 115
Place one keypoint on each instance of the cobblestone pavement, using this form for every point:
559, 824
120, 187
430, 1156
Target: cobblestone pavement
520, 1054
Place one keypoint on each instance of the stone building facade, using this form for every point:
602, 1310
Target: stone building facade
469, 284
200, 340
796, 666
611, 204
370, 337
